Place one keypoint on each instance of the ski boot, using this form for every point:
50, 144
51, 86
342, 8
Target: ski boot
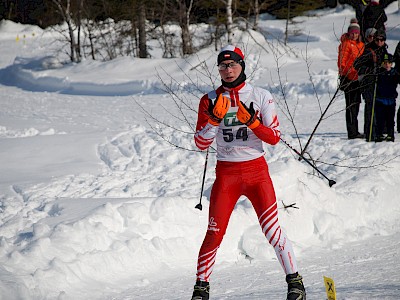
201, 291
296, 289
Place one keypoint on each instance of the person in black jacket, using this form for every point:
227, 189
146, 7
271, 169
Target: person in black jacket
396, 59
367, 66
359, 7
386, 94
374, 16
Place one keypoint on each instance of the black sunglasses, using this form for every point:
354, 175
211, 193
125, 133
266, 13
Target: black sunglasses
233, 64
380, 39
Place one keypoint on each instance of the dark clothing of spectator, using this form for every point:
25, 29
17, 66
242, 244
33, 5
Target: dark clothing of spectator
386, 95
367, 66
387, 84
385, 114
396, 57
352, 96
359, 6
374, 16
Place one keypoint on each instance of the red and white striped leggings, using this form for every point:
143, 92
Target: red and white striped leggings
251, 179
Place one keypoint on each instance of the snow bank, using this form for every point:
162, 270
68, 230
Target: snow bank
94, 203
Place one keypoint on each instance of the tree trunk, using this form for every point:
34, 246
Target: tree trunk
187, 47
66, 15
91, 38
79, 24
256, 14
287, 23
142, 30
229, 21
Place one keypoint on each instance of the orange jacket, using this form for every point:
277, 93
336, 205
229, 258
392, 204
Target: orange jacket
348, 51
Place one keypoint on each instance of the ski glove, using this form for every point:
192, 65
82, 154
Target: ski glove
218, 109
248, 116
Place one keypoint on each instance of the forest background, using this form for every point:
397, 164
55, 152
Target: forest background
107, 29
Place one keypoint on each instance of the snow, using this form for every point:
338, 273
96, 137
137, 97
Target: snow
95, 205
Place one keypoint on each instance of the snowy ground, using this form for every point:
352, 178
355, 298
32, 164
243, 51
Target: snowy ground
94, 205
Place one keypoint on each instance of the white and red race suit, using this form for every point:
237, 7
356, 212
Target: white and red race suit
241, 170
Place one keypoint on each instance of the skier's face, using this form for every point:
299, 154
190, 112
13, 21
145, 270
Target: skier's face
229, 70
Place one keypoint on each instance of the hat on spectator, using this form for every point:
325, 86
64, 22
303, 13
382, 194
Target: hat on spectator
388, 57
375, 2
369, 32
380, 34
354, 27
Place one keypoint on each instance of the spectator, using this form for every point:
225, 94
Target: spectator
367, 66
386, 94
359, 6
349, 50
396, 59
374, 16
369, 36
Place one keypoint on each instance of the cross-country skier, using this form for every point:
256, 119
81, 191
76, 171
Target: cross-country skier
240, 118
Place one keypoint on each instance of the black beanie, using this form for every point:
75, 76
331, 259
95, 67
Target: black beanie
232, 53
380, 34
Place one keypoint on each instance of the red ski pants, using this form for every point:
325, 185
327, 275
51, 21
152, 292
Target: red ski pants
251, 179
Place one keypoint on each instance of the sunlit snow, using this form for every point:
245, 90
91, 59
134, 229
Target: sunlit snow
96, 204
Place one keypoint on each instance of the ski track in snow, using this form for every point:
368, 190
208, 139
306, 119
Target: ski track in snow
258, 281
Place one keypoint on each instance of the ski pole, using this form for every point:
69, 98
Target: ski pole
373, 112
199, 205
330, 181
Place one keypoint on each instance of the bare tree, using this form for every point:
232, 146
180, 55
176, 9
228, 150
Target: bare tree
187, 47
65, 10
161, 33
229, 20
142, 29
287, 22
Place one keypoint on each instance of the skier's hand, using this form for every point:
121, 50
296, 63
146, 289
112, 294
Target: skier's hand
218, 109
247, 115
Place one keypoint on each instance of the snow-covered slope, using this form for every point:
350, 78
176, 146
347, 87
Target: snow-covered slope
95, 205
